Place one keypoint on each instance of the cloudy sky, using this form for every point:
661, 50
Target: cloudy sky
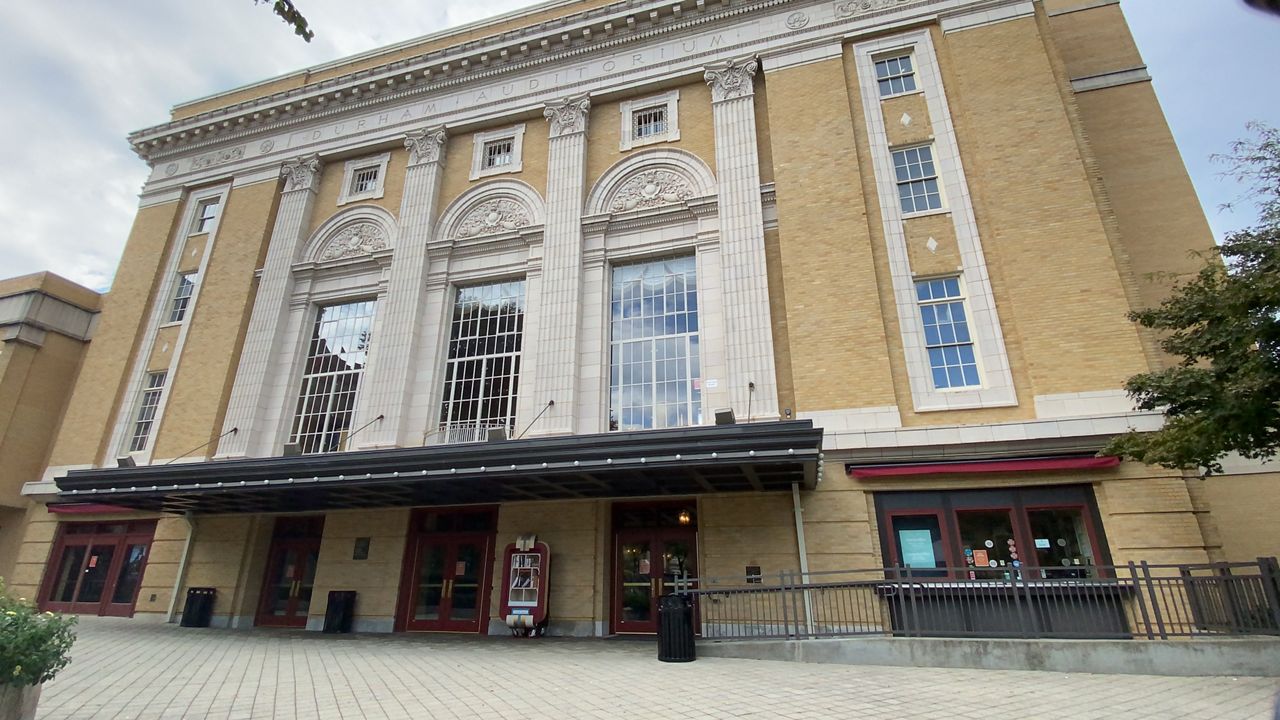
79, 75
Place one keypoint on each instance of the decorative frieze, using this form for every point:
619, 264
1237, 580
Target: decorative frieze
568, 116
301, 173
492, 217
425, 146
849, 8
363, 238
652, 188
731, 79
208, 160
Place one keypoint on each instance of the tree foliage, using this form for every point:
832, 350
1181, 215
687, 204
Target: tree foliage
290, 14
1223, 323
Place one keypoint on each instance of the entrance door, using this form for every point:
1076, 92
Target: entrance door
291, 572
98, 568
648, 562
450, 574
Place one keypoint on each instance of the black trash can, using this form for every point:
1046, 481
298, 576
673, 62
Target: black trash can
675, 629
340, 611
198, 610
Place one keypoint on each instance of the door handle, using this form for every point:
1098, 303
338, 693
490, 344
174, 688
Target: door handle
448, 588
294, 587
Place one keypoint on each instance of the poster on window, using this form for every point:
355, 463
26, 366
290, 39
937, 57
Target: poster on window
917, 548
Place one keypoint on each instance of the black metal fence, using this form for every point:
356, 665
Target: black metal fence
1138, 600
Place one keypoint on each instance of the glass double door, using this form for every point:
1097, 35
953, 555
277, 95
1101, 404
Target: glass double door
290, 582
450, 575
648, 563
97, 574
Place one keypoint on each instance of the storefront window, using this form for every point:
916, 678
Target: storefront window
1061, 541
986, 539
919, 542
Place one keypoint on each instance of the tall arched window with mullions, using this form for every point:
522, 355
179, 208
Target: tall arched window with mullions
336, 357
655, 378
482, 374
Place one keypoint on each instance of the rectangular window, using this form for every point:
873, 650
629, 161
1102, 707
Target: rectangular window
482, 374
917, 179
952, 361
498, 153
895, 75
331, 379
182, 297
206, 214
364, 180
649, 122
147, 411
654, 377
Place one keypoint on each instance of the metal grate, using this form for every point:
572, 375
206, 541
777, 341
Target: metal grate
498, 153
364, 180
649, 123
331, 381
147, 411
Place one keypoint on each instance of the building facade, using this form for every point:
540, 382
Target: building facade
681, 288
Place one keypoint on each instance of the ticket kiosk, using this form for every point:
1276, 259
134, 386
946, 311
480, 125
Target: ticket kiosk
525, 573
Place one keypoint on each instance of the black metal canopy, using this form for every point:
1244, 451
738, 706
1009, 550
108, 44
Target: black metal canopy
758, 457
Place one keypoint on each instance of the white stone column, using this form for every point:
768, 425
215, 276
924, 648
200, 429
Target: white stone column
262, 342
398, 356
555, 343
748, 329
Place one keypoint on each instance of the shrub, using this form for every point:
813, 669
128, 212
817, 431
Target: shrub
34, 646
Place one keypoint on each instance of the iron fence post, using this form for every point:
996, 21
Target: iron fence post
913, 624
1155, 602
1270, 574
1141, 600
782, 600
1025, 618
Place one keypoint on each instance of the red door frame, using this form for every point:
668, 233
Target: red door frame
280, 548
415, 540
656, 537
135, 533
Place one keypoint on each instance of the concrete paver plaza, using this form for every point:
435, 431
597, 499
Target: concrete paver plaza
130, 669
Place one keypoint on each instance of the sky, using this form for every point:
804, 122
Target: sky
80, 75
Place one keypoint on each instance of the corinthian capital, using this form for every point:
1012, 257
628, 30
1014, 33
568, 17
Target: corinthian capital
731, 79
425, 146
568, 116
301, 173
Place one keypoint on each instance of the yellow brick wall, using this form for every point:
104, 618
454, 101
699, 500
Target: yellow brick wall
334, 174
12, 525
1243, 507
572, 530
697, 135
162, 351
199, 390
738, 530
95, 399
193, 252
836, 335
920, 127
376, 580
944, 259
457, 163
778, 318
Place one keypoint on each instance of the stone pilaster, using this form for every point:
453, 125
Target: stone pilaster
555, 349
396, 353
262, 342
748, 329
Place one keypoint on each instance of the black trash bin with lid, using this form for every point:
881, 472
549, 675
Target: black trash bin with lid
675, 629
198, 610
340, 611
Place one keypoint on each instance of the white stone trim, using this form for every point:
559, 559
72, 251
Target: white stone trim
997, 388
982, 18
680, 162
797, 56
1111, 79
515, 133
349, 172
449, 230
315, 245
150, 198
158, 317
1077, 404
884, 417
1084, 6
942, 435
628, 108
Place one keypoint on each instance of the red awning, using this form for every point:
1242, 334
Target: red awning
985, 466
87, 508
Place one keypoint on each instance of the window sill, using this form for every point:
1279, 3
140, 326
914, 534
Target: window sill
198, 232
917, 91
655, 140
172, 323
357, 198
926, 213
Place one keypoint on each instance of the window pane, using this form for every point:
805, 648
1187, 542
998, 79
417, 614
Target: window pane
1061, 538
918, 540
335, 364
483, 367
986, 539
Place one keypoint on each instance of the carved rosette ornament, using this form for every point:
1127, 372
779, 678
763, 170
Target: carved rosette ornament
731, 79
849, 8
362, 238
651, 188
302, 173
425, 146
568, 116
492, 217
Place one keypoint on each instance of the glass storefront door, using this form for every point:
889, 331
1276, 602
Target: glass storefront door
97, 567
450, 573
289, 583
648, 564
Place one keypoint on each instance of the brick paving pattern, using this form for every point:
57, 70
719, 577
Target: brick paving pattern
128, 669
